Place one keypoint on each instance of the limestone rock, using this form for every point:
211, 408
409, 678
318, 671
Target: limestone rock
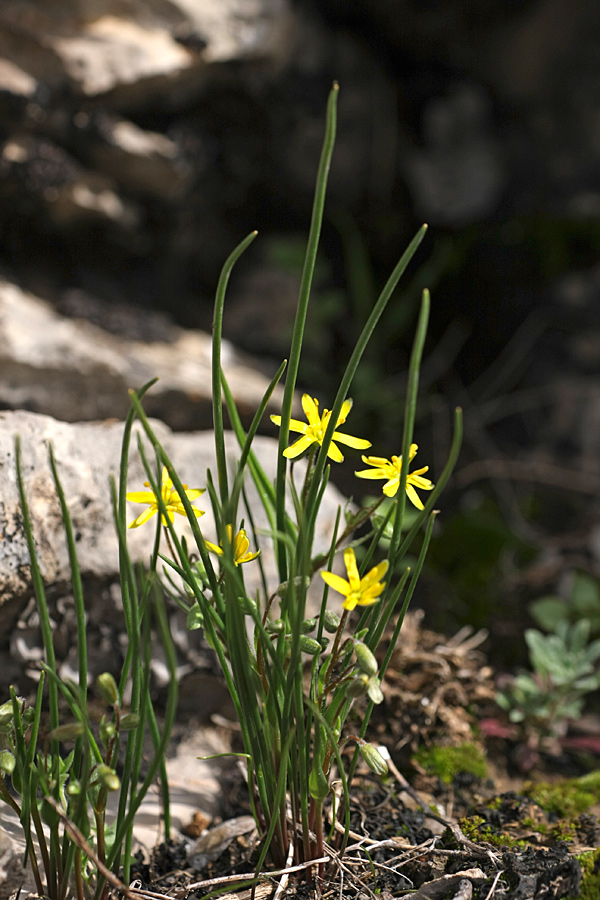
76, 371
101, 46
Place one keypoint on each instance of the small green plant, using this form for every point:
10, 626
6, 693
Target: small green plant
582, 602
293, 676
564, 672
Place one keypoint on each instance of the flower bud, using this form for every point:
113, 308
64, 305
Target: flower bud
249, 606
7, 762
284, 588
357, 686
74, 788
6, 712
309, 645
374, 691
365, 659
108, 778
373, 759
275, 626
331, 621
308, 625
107, 732
107, 688
129, 721
194, 619
68, 732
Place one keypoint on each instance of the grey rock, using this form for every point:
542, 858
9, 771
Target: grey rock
75, 371
102, 46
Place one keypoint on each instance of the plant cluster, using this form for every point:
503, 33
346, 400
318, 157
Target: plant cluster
565, 671
293, 671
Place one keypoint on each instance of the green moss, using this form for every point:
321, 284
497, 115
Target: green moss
568, 798
590, 870
447, 762
475, 828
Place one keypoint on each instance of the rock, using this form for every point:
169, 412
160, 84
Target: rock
104, 46
87, 454
75, 371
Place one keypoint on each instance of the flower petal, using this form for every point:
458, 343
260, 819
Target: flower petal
214, 548
371, 473
299, 446
335, 453
297, 425
346, 407
336, 582
141, 497
143, 517
374, 575
375, 461
413, 496
349, 441
311, 409
390, 489
351, 568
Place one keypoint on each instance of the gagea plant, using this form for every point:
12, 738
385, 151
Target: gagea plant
294, 668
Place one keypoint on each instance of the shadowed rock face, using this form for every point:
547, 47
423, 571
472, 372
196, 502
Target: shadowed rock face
76, 371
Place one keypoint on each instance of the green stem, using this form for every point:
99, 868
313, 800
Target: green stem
300, 321
217, 329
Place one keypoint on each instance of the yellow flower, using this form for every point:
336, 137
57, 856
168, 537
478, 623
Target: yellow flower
170, 498
357, 591
314, 432
391, 469
241, 546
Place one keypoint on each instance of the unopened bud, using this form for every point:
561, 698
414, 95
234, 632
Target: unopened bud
357, 686
365, 659
331, 621
374, 691
194, 618
107, 688
129, 721
309, 645
7, 762
107, 732
284, 588
249, 606
108, 778
373, 759
275, 626
6, 713
68, 732
308, 625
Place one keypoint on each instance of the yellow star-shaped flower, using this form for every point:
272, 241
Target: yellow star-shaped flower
241, 546
170, 498
391, 469
357, 591
314, 431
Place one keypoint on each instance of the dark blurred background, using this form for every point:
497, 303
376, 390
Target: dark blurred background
141, 140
